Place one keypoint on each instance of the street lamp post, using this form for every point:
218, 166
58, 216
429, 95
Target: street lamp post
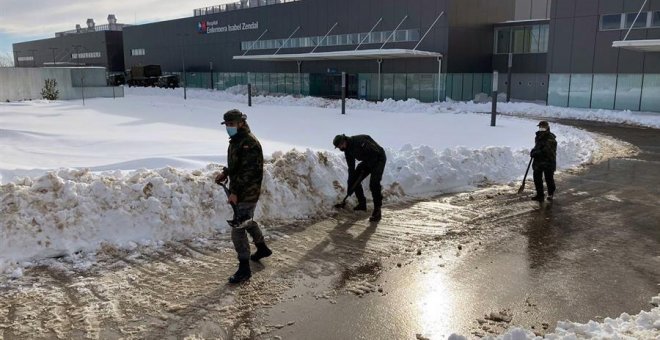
183, 66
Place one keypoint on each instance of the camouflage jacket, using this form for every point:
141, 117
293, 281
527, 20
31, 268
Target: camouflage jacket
544, 151
245, 166
363, 148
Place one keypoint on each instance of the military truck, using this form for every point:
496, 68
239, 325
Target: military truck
144, 75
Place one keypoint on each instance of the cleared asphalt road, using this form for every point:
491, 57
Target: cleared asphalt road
593, 253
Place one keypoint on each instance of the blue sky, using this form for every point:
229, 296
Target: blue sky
24, 20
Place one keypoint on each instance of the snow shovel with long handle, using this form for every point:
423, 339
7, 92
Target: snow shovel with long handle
522, 187
351, 190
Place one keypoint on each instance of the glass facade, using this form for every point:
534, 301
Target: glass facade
628, 92
585, 90
651, 93
580, 90
407, 35
522, 39
604, 89
558, 89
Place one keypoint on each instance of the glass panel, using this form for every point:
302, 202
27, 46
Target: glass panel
388, 86
558, 89
399, 86
503, 40
477, 84
580, 95
628, 92
449, 86
535, 37
467, 87
543, 38
610, 22
650, 97
641, 21
457, 87
527, 37
400, 36
412, 86
604, 87
487, 83
518, 40
427, 88
655, 22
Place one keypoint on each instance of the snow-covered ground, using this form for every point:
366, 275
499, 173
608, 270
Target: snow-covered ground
645, 325
140, 169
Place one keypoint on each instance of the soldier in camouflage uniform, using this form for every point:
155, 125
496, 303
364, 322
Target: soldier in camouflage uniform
545, 161
372, 162
245, 171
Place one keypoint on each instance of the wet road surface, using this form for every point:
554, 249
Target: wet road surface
593, 253
430, 268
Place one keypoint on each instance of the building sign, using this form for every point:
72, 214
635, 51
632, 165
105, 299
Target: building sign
208, 27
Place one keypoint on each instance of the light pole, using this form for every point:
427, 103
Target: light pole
183, 65
211, 69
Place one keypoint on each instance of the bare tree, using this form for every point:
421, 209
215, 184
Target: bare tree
6, 60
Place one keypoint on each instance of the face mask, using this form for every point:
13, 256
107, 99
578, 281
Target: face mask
543, 129
232, 130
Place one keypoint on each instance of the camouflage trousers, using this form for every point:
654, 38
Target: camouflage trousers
245, 212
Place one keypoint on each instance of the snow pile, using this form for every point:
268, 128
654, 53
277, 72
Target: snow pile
645, 325
66, 211
239, 94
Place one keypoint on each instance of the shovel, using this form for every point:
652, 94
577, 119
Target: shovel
522, 187
351, 190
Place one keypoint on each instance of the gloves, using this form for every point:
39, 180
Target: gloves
220, 178
533, 153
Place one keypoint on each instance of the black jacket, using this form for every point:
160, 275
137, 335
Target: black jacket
364, 149
544, 151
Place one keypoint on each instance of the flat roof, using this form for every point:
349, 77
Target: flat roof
648, 45
372, 54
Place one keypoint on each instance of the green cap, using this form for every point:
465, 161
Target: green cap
233, 116
338, 139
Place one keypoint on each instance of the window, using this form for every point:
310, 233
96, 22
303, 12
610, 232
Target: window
610, 22
25, 58
518, 40
641, 20
502, 40
86, 55
535, 37
400, 36
655, 20
138, 51
543, 38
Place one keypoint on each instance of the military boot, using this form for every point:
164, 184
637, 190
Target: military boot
262, 251
375, 215
362, 206
243, 273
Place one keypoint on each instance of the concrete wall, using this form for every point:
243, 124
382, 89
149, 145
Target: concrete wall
27, 83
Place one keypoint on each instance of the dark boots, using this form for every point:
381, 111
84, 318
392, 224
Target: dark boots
538, 198
362, 206
243, 273
262, 251
375, 215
